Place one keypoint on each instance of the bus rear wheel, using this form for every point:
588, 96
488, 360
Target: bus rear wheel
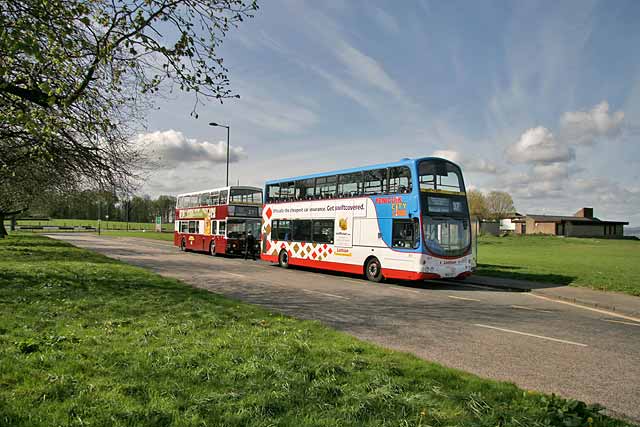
283, 259
212, 248
373, 270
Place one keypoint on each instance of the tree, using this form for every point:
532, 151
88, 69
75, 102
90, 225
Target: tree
165, 207
477, 204
77, 76
15, 199
499, 205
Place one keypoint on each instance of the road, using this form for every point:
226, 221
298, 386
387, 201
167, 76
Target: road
538, 344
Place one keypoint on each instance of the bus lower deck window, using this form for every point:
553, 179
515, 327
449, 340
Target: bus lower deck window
405, 233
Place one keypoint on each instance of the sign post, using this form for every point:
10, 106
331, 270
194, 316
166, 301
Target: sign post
158, 223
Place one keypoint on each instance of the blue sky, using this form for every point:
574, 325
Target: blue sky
541, 99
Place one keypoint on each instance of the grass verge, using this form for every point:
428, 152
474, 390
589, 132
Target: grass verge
602, 264
145, 235
104, 225
86, 340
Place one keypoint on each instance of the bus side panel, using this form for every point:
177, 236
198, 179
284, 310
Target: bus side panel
366, 232
221, 245
327, 265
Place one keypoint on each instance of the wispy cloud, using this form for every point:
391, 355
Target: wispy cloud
344, 88
367, 69
384, 19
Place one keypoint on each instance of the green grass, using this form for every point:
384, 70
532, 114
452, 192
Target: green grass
146, 235
86, 340
104, 225
603, 264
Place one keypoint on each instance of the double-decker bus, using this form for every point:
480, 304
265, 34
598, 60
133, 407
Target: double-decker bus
217, 221
404, 220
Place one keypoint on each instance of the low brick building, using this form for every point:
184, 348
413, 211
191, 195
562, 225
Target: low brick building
581, 224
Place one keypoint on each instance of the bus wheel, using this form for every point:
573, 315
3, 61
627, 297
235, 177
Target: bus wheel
183, 245
212, 248
373, 270
283, 259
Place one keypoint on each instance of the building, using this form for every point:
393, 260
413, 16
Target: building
581, 224
489, 227
507, 225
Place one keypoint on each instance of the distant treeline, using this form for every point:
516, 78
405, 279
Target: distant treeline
103, 205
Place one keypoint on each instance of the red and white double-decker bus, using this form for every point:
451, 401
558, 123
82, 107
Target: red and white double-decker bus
217, 221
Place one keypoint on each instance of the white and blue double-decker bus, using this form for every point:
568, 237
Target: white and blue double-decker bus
403, 220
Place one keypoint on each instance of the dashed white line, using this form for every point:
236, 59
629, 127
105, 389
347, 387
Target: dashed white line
325, 294
531, 335
620, 321
521, 307
464, 299
596, 310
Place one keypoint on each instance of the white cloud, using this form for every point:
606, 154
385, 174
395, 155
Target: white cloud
171, 148
539, 145
452, 155
584, 127
551, 172
471, 165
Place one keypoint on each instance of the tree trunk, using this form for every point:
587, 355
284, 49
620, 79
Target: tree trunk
3, 232
13, 223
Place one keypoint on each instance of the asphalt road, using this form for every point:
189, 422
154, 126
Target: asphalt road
536, 343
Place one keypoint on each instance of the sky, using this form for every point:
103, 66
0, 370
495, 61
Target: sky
540, 99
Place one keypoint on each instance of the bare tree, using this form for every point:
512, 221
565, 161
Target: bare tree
477, 204
499, 204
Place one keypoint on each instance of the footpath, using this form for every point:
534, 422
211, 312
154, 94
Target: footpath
623, 304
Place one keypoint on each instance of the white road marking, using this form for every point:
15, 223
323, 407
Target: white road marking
409, 290
242, 276
596, 310
620, 321
398, 288
531, 309
532, 335
464, 299
359, 282
325, 294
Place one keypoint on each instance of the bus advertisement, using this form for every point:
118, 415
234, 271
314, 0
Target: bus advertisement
405, 220
217, 221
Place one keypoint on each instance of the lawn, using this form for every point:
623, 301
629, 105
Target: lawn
603, 264
104, 225
146, 235
86, 340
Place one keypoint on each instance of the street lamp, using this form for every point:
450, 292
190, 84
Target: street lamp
223, 126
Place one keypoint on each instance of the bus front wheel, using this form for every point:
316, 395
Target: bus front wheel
283, 259
373, 270
212, 248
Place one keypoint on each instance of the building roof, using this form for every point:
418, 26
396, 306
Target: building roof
572, 219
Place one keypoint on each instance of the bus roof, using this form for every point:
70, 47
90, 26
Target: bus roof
240, 187
401, 162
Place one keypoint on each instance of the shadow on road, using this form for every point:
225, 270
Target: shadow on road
532, 280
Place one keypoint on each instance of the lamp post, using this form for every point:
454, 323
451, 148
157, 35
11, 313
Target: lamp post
223, 126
